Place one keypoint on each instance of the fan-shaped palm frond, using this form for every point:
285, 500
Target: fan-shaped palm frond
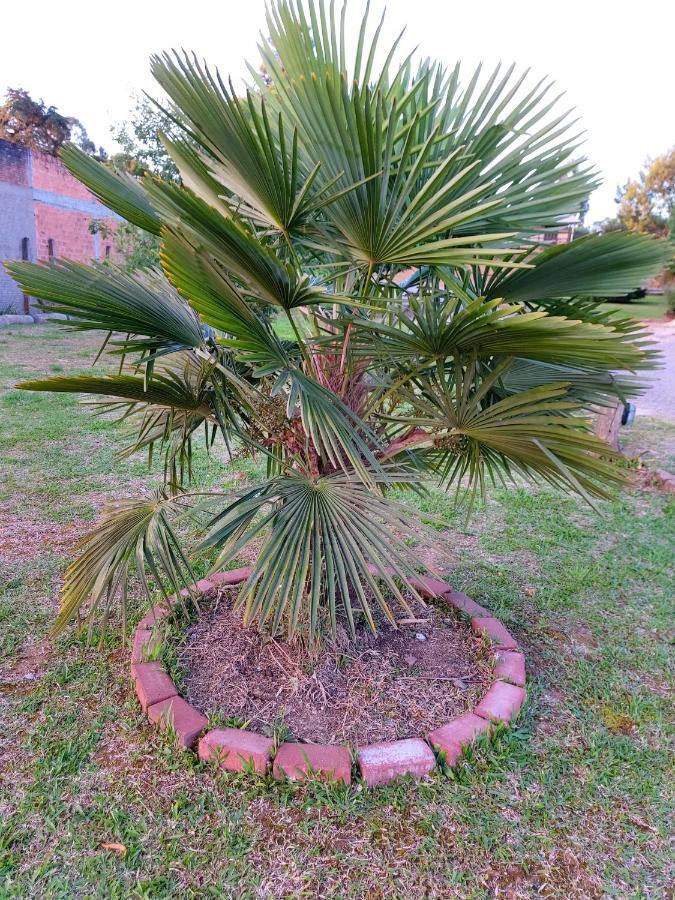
431, 329
532, 434
133, 534
119, 191
605, 265
328, 543
107, 299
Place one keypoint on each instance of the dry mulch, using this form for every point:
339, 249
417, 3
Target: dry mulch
399, 683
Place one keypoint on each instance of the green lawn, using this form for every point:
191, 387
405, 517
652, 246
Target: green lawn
573, 802
647, 308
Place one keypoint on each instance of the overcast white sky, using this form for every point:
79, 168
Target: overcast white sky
614, 58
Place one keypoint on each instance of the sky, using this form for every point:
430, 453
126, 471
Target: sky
613, 58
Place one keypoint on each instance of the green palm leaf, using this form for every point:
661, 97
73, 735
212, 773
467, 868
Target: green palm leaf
119, 191
429, 330
330, 539
106, 298
132, 535
605, 265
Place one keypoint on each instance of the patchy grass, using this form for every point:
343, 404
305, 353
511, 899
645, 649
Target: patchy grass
651, 441
651, 308
573, 802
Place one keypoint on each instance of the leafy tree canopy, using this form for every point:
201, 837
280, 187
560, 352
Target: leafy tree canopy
139, 136
646, 203
29, 122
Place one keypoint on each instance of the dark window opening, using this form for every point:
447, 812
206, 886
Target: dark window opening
107, 250
50, 248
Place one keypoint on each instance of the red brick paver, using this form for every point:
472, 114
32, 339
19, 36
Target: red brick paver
152, 683
234, 749
299, 761
140, 645
510, 667
382, 763
501, 638
234, 576
155, 615
502, 702
204, 585
429, 587
186, 721
466, 604
457, 734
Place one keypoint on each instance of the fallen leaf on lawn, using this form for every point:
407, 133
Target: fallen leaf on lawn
640, 823
119, 849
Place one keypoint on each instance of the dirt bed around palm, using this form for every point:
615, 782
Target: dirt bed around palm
399, 683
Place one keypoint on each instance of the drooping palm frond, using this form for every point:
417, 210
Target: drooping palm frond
119, 191
327, 543
134, 534
165, 410
107, 299
606, 265
531, 434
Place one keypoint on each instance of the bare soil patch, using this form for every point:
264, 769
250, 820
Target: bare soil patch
399, 683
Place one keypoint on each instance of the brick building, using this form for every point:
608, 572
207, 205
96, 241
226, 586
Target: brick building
45, 213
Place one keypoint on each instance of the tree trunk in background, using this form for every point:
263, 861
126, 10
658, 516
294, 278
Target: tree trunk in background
607, 424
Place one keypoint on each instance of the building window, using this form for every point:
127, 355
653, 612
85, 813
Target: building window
24, 248
50, 248
107, 251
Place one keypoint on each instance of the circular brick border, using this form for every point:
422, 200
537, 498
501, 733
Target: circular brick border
237, 749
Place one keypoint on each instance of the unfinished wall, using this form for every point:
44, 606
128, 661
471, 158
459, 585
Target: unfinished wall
45, 213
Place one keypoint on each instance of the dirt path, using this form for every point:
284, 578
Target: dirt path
659, 400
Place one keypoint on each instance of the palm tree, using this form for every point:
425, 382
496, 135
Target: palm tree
390, 217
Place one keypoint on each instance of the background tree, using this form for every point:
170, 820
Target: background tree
30, 123
139, 136
646, 203
143, 152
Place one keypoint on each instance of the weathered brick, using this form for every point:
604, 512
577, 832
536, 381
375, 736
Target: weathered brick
429, 587
234, 576
510, 667
666, 480
382, 763
186, 721
299, 761
499, 636
204, 585
152, 683
466, 604
502, 703
457, 734
235, 749
141, 645
156, 614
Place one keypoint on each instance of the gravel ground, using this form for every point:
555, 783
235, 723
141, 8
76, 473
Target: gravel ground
659, 400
